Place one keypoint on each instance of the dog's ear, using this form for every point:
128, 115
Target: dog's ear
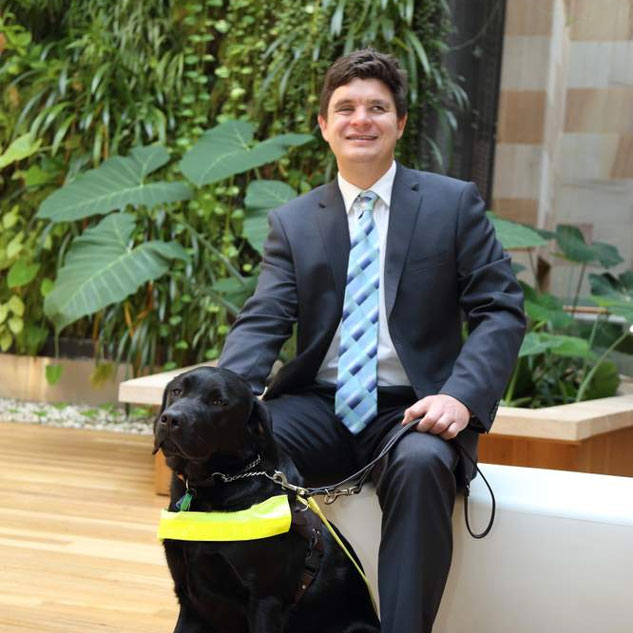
162, 408
260, 429
164, 402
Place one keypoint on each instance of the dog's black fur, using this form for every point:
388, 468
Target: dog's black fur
210, 422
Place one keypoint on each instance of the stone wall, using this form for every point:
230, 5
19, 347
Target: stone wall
565, 130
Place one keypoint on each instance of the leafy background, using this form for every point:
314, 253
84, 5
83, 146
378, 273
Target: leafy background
142, 145
83, 81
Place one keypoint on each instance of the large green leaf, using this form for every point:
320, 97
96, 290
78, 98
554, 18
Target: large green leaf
268, 194
116, 183
545, 307
614, 293
605, 381
256, 229
536, 343
515, 236
572, 243
101, 269
261, 197
226, 150
22, 147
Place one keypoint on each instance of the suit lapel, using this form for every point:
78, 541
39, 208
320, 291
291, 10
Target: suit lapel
332, 221
406, 198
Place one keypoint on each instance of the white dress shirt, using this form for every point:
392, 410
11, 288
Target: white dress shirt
390, 370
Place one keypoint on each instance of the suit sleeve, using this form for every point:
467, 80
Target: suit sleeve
492, 301
265, 322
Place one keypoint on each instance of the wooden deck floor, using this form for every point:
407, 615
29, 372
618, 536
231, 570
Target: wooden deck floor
78, 551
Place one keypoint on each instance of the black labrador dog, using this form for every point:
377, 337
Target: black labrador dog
296, 582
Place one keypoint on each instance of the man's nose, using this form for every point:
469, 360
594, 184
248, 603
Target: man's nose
360, 116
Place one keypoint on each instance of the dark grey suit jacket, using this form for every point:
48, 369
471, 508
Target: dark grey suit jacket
442, 262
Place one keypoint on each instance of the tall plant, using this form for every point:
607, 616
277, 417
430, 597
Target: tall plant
112, 260
559, 361
84, 81
88, 81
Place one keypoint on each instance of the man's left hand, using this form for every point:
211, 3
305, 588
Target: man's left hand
441, 415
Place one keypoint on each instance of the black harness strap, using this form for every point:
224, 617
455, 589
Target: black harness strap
308, 526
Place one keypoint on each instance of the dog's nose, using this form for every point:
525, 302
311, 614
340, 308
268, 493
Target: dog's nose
170, 420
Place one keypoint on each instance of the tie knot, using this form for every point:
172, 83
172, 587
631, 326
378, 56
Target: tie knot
365, 201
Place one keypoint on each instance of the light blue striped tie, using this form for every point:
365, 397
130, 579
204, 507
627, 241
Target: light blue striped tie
356, 400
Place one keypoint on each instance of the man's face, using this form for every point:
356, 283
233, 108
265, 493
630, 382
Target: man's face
362, 126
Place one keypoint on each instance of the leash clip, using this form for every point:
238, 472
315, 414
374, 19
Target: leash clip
281, 480
330, 496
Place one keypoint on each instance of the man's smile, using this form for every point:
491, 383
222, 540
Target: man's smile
361, 137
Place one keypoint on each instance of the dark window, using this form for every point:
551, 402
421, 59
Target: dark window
474, 59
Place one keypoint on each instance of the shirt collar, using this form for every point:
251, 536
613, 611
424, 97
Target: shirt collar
382, 188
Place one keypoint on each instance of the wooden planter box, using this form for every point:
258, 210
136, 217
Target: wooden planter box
593, 437
24, 378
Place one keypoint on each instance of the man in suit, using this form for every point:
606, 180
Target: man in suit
425, 255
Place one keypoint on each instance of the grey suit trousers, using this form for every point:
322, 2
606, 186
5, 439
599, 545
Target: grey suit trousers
415, 485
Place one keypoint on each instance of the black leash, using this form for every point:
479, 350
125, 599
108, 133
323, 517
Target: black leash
331, 493
467, 495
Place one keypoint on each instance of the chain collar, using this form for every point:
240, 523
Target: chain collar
245, 472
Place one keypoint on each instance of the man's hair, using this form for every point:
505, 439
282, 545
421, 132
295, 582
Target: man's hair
366, 64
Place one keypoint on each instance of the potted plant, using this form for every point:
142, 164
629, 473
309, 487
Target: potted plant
564, 362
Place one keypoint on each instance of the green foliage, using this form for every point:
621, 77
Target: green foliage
574, 248
561, 360
614, 293
273, 56
536, 343
85, 85
515, 236
114, 185
261, 197
54, 373
110, 261
101, 269
227, 150
21, 148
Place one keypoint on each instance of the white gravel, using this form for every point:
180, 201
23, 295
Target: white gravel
109, 417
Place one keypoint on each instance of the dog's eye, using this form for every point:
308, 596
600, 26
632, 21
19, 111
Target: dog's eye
176, 391
218, 403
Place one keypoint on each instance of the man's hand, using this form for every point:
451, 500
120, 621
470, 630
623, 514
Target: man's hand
441, 415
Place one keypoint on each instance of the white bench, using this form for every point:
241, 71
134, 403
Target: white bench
559, 558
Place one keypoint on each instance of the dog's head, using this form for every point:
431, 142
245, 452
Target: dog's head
211, 415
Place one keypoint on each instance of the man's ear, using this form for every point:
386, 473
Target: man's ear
401, 125
260, 429
323, 125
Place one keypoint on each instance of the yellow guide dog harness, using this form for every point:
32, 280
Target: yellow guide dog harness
275, 516
262, 520
268, 518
